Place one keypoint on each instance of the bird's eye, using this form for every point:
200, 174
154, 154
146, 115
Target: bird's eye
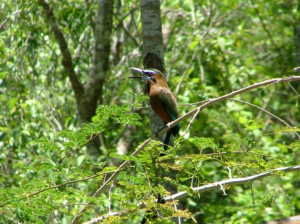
153, 79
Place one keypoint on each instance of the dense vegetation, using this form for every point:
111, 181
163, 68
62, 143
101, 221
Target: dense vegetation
211, 49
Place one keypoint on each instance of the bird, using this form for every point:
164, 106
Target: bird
162, 100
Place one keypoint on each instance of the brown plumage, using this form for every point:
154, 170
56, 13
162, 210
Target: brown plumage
162, 100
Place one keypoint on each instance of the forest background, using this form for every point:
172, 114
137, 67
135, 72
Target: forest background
70, 116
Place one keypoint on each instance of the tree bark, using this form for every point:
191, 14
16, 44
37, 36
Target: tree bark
153, 49
88, 103
153, 52
297, 44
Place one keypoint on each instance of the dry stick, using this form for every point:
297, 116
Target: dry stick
267, 112
180, 119
175, 207
208, 187
238, 152
120, 20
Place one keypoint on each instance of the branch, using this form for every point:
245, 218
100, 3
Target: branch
234, 181
267, 112
225, 97
207, 187
294, 90
63, 45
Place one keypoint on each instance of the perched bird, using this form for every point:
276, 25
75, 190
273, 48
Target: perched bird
162, 100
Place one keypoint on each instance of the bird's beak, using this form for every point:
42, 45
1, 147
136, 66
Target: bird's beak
141, 71
137, 70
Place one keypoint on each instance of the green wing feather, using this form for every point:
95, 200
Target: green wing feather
170, 104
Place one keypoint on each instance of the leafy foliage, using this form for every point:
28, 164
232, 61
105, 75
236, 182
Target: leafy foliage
211, 48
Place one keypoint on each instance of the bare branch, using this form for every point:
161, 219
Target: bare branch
234, 181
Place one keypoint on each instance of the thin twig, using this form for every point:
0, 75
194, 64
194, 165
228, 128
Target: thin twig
78, 147
229, 172
253, 200
101, 218
267, 112
230, 12
294, 90
175, 207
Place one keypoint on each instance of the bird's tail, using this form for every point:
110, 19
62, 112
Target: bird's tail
167, 140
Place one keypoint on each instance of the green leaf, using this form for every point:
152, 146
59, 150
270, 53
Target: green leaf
12, 102
80, 159
255, 123
202, 143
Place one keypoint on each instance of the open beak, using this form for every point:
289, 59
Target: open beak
137, 70
141, 71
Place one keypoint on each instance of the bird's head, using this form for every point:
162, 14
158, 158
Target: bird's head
150, 75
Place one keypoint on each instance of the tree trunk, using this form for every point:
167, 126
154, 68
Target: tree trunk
88, 96
153, 52
94, 87
297, 44
153, 48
